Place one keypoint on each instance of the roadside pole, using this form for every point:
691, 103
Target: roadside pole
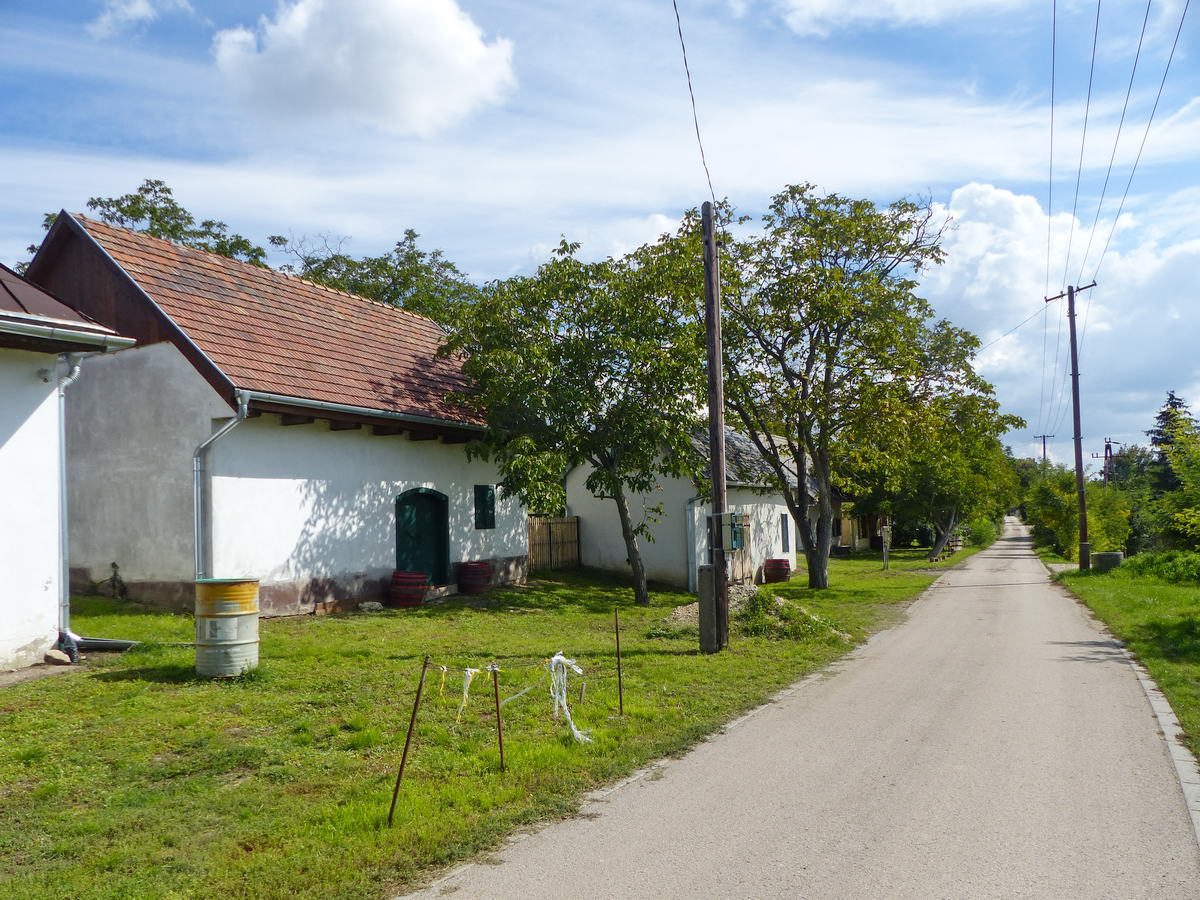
715, 637
1085, 547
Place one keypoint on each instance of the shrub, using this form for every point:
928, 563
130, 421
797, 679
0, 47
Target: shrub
1178, 566
981, 532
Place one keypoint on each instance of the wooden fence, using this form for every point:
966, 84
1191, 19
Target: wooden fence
553, 542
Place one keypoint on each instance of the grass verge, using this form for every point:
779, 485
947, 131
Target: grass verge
1160, 624
134, 778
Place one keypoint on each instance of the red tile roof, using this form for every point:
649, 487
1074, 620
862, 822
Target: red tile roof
274, 333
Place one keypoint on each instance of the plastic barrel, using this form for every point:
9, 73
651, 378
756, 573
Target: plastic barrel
408, 589
226, 626
474, 577
777, 570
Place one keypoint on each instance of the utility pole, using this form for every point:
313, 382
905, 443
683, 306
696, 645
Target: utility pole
1085, 547
1043, 437
717, 638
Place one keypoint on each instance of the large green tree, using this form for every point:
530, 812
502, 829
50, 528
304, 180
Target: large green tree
831, 357
956, 469
152, 208
585, 363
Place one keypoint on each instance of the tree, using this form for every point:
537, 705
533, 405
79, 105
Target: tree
1051, 507
584, 363
152, 208
423, 281
828, 352
1163, 479
957, 469
1182, 449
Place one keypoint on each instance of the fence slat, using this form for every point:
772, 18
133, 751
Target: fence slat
553, 542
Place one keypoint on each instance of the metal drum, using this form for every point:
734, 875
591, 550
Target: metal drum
226, 626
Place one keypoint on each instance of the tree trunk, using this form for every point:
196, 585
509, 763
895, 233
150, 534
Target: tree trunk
640, 592
943, 534
817, 556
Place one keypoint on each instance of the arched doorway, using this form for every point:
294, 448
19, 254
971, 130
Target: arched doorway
423, 534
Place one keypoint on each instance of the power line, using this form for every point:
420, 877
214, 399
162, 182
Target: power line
1104, 190
692, 94
1083, 142
1145, 135
1007, 333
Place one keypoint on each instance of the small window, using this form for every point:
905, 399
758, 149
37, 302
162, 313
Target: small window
784, 521
485, 506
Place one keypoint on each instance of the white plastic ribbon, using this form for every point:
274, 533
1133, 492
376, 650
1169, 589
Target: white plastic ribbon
468, 676
558, 666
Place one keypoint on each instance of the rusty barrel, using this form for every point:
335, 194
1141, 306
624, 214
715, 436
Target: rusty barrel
408, 588
474, 577
226, 626
777, 570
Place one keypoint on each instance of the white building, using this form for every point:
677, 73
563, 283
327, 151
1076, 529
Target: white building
38, 335
678, 542
264, 427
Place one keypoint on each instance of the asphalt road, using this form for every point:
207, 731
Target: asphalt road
993, 745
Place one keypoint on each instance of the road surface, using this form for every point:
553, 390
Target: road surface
995, 744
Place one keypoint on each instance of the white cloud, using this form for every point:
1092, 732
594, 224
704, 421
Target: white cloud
1132, 349
119, 15
405, 66
820, 17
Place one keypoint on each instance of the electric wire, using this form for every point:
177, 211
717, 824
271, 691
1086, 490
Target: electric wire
1145, 135
1116, 143
692, 94
1082, 142
1010, 331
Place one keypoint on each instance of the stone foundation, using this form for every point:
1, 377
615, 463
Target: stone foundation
303, 597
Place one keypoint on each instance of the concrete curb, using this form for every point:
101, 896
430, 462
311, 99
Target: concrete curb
1186, 768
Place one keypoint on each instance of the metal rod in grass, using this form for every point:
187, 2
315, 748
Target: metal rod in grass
412, 722
620, 683
499, 721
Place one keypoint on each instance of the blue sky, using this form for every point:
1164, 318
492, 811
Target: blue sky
494, 127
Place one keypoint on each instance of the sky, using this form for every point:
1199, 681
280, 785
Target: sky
495, 127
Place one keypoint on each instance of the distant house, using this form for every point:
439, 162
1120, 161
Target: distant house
264, 427
679, 532
39, 336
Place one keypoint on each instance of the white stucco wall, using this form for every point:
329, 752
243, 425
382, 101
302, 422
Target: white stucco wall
29, 508
680, 538
134, 419
301, 501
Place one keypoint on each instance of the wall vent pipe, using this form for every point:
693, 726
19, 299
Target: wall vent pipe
200, 486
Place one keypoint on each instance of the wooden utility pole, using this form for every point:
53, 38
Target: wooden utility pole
1043, 437
716, 637
1085, 547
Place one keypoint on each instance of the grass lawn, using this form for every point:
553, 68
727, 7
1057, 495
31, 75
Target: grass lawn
1160, 623
132, 778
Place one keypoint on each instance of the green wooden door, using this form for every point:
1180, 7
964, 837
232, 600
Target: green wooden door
423, 534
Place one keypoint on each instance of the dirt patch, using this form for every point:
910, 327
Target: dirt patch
33, 673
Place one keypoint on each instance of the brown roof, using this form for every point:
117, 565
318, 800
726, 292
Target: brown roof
270, 332
27, 299
58, 328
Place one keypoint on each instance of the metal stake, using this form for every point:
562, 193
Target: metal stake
412, 722
499, 721
620, 683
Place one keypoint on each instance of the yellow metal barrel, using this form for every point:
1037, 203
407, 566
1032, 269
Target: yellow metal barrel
226, 626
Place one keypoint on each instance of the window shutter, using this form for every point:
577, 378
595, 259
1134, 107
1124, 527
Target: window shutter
485, 506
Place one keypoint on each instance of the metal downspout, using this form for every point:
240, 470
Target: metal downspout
74, 369
200, 523
692, 561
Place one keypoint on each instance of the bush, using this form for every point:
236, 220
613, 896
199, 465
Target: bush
981, 532
1178, 566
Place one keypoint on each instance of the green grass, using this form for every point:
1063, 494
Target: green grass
1050, 555
1160, 624
133, 778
